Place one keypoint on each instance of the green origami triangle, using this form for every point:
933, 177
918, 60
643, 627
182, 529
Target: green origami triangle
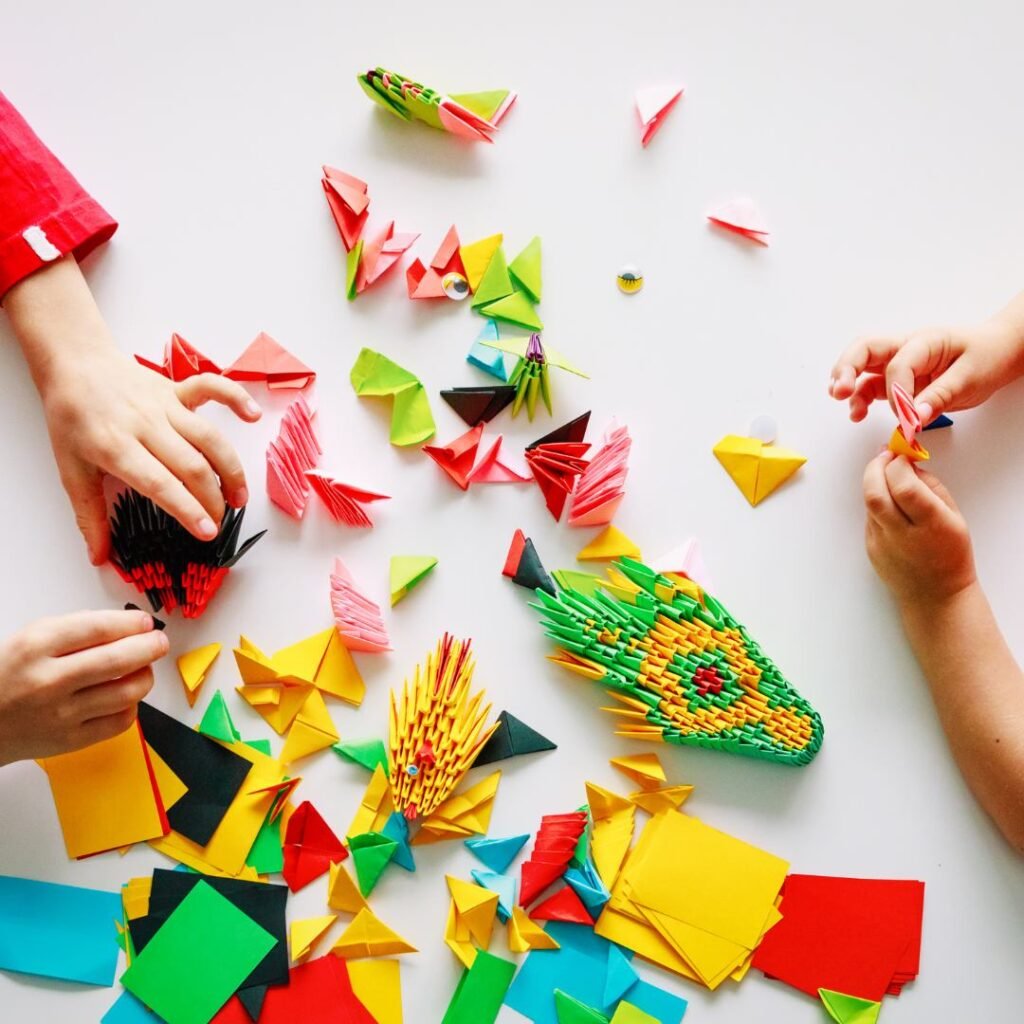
483, 104
515, 309
217, 722
572, 1011
677, 658
406, 572
371, 854
849, 1009
495, 284
525, 269
352, 268
368, 753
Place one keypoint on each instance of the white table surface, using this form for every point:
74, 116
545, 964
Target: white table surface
882, 143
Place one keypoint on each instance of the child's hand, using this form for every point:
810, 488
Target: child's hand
946, 369
917, 539
107, 414
72, 681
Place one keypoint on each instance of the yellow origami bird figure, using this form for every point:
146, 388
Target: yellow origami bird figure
436, 730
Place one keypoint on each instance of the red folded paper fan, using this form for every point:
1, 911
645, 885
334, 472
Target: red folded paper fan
557, 459
157, 555
343, 501
553, 848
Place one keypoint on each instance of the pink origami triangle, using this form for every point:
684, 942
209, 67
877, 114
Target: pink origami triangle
906, 413
653, 105
423, 282
742, 217
381, 254
348, 200
345, 503
265, 359
491, 470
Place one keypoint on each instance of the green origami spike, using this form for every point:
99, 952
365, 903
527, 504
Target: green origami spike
216, 722
570, 1010
525, 269
683, 668
846, 1009
367, 753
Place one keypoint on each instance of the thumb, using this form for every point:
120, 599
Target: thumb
85, 489
944, 393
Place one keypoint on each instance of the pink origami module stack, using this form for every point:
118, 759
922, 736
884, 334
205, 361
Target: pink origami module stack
290, 456
359, 620
602, 485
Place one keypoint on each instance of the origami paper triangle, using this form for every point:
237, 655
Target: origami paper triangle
352, 262
367, 935
266, 360
406, 572
461, 814
193, 666
357, 618
653, 105
475, 909
846, 1009
343, 501
654, 801
348, 201
741, 217
181, 360
497, 854
510, 738
485, 358
906, 412
915, 452
479, 405
712, 653
502, 885
495, 283
380, 254
525, 270
489, 469
610, 543
491, 105
587, 884
294, 451
514, 309
397, 829
564, 905
369, 753
458, 456
685, 560
644, 769
612, 830
572, 1011
572, 432
447, 258
524, 934
523, 565
940, 421
371, 854
620, 976
556, 467
310, 847
216, 721
313, 729
376, 805
342, 891
757, 469
305, 934
477, 256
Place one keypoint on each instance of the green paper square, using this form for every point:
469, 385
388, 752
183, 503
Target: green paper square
196, 961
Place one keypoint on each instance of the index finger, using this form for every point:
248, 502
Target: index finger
80, 630
925, 354
865, 355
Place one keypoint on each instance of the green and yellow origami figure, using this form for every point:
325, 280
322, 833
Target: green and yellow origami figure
683, 668
471, 115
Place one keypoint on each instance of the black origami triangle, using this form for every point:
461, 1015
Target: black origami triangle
569, 433
530, 572
510, 739
479, 405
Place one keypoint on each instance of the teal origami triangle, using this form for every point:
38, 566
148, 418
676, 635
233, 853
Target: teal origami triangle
371, 854
490, 360
497, 854
503, 885
397, 828
619, 976
367, 753
217, 722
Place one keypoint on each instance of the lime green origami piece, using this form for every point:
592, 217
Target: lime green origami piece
471, 115
683, 668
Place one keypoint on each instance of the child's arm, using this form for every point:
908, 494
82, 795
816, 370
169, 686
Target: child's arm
106, 414
945, 368
918, 542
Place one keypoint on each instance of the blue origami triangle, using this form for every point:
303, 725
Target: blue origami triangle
503, 885
587, 884
397, 828
490, 360
940, 421
620, 976
497, 854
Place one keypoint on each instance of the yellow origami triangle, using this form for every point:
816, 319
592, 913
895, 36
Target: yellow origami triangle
655, 801
604, 804
644, 769
367, 935
525, 934
253, 665
376, 806
311, 731
304, 935
915, 452
777, 465
610, 543
740, 457
168, 785
476, 256
279, 716
342, 891
476, 907
456, 937
193, 666
338, 674
301, 661
462, 814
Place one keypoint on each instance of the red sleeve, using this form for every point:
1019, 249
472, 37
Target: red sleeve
44, 212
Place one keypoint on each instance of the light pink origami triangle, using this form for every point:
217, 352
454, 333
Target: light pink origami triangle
742, 217
489, 469
653, 105
685, 560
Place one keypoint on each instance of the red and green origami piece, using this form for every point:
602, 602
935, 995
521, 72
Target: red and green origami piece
683, 668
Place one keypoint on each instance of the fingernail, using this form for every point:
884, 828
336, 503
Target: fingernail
926, 412
253, 409
240, 497
162, 643
206, 528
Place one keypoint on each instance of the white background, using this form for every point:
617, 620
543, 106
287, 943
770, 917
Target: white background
883, 144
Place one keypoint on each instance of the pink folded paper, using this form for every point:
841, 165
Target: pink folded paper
359, 621
741, 217
653, 105
349, 200
685, 560
290, 456
906, 413
344, 502
381, 254
601, 486
490, 469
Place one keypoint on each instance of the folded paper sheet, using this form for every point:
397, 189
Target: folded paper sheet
161, 559
343, 501
472, 116
358, 620
294, 452
193, 666
106, 796
458, 457
369, 261
653, 105
462, 814
349, 202
437, 729
471, 915
479, 405
756, 468
376, 376
266, 360
445, 278
485, 358
310, 847
610, 543
490, 468
367, 936
406, 572
481, 990
511, 738
497, 853
741, 217
703, 680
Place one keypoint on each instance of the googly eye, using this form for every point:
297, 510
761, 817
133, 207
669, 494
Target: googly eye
412, 771
630, 280
455, 286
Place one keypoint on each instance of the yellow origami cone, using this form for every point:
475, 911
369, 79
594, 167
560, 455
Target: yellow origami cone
367, 935
525, 934
915, 452
311, 731
777, 465
656, 800
644, 769
193, 666
342, 891
610, 543
476, 256
304, 935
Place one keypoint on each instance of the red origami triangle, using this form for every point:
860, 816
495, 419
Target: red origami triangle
458, 457
310, 847
265, 359
447, 258
535, 876
348, 200
565, 905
